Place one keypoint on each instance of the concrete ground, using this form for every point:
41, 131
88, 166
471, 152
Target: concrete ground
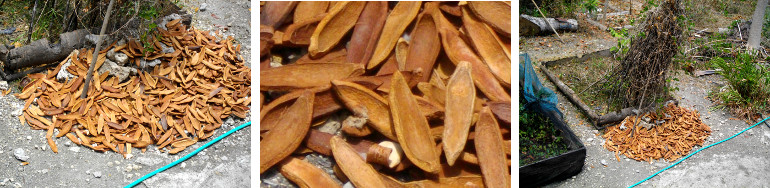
744, 161
225, 164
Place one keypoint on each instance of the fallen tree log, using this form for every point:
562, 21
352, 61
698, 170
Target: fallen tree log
614, 117
42, 51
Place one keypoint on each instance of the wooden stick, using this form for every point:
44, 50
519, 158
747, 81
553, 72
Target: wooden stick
96, 51
571, 96
546, 21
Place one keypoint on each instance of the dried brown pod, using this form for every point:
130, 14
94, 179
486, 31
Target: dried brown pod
433, 92
461, 181
275, 12
489, 149
265, 39
501, 109
355, 168
279, 143
306, 175
425, 44
411, 126
299, 76
485, 41
340, 19
398, 19
308, 9
299, 33
495, 13
367, 31
460, 98
402, 48
457, 50
361, 100
335, 56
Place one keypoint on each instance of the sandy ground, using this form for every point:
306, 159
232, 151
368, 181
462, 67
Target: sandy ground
225, 164
740, 162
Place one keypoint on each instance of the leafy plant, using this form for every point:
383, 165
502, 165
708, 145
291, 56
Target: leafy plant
146, 38
538, 138
624, 41
591, 5
749, 82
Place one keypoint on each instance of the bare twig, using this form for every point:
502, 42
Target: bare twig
32, 23
546, 22
96, 51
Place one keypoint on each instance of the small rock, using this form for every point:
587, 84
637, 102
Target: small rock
74, 149
98, 174
224, 158
348, 185
590, 140
627, 159
184, 164
115, 70
660, 165
204, 6
121, 58
603, 162
44, 171
29, 137
20, 155
110, 164
4, 85
148, 64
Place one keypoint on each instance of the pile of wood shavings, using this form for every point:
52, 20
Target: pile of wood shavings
675, 138
177, 103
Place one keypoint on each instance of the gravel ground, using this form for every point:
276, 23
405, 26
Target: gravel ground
225, 164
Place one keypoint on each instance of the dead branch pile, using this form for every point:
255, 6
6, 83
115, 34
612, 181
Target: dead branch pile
179, 102
640, 80
675, 138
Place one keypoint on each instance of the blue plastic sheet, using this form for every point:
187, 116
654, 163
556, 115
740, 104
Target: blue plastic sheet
532, 89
